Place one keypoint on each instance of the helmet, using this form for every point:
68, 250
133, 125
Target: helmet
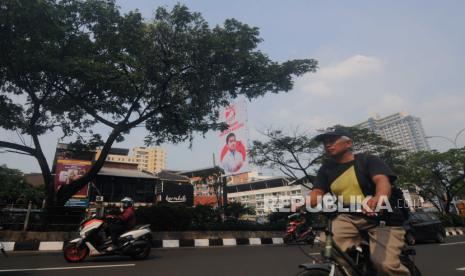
127, 202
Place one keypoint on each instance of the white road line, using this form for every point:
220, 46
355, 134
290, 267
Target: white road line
65, 268
461, 268
452, 243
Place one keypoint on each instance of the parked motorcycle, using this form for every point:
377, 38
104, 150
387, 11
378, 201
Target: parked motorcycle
2, 248
297, 231
94, 241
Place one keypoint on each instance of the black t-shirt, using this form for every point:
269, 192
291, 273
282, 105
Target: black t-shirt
330, 171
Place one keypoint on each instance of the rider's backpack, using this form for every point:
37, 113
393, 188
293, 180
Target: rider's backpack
401, 211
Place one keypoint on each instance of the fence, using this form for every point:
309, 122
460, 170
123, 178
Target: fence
24, 217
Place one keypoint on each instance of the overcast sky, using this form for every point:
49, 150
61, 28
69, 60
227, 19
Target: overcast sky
375, 58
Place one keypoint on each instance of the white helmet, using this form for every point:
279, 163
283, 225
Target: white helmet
127, 202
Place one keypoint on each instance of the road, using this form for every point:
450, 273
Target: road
432, 259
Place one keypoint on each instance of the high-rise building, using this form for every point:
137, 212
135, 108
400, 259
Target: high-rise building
401, 128
149, 159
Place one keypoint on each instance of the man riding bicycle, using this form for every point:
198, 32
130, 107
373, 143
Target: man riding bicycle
349, 176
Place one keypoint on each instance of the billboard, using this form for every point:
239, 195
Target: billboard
68, 170
178, 193
232, 152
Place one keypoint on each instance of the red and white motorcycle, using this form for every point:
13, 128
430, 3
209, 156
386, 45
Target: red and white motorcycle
2, 249
93, 241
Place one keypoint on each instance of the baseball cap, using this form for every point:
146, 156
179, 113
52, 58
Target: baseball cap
335, 132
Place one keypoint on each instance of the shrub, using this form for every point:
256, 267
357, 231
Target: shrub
165, 217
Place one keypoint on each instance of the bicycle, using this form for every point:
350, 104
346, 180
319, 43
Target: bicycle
354, 262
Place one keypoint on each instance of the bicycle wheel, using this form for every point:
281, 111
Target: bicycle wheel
313, 272
414, 271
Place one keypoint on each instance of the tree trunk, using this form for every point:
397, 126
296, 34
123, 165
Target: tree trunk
67, 191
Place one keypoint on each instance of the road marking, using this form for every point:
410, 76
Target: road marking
461, 268
452, 243
65, 268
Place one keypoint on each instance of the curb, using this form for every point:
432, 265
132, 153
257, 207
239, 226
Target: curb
455, 231
58, 245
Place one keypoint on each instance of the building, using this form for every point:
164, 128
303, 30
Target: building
266, 195
207, 184
245, 177
116, 183
34, 179
401, 128
174, 188
149, 159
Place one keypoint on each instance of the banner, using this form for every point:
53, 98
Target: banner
178, 193
66, 172
232, 153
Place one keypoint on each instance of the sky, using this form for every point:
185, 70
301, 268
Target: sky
375, 57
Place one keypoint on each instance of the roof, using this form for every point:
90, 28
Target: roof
266, 180
202, 172
125, 173
258, 185
119, 151
168, 175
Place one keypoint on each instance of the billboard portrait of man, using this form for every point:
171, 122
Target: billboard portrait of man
233, 155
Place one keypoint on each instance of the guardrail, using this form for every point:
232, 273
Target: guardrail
25, 218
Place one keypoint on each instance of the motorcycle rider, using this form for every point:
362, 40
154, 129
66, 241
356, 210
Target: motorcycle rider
342, 175
125, 221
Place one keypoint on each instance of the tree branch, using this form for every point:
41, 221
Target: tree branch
88, 109
29, 150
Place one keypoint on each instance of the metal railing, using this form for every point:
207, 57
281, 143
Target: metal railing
27, 218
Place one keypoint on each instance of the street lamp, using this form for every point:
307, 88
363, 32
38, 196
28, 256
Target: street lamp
453, 142
457, 136
443, 137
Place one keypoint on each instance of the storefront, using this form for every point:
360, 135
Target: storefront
174, 188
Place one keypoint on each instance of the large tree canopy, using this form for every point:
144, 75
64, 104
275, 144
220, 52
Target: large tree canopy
15, 190
76, 64
298, 155
439, 175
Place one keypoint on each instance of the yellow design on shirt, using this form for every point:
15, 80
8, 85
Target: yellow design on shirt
347, 185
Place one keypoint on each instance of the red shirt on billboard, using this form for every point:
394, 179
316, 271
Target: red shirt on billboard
233, 154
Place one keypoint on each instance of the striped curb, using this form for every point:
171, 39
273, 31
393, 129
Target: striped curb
58, 245
455, 231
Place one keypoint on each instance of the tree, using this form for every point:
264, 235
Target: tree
81, 65
298, 155
236, 210
440, 176
292, 154
15, 190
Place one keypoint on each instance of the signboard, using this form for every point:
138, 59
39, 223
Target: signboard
232, 155
177, 193
66, 172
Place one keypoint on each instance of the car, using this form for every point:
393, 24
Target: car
422, 226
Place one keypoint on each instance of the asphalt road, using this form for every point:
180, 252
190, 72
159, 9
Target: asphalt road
432, 259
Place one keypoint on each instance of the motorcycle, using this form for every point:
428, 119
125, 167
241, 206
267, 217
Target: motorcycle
2, 248
297, 231
94, 241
